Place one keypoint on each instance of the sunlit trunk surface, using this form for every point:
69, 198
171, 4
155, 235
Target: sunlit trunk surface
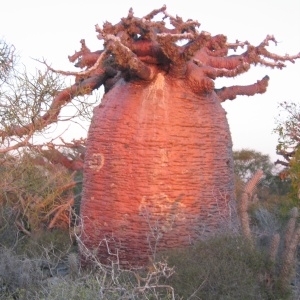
158, 171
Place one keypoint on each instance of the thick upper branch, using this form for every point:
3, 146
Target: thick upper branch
230, 93
126, 59
57, 157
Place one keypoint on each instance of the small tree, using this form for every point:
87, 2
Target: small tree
36, 190
247, 162
288, 130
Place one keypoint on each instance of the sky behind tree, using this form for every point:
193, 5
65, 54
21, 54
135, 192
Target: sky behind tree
52, 30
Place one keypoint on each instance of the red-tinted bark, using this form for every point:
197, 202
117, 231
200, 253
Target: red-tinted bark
158, 166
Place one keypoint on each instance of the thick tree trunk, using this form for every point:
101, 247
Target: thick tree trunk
158, 171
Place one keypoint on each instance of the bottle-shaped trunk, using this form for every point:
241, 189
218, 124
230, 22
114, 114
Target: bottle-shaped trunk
158, 171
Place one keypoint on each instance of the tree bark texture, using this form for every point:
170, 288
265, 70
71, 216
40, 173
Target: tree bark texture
158, 170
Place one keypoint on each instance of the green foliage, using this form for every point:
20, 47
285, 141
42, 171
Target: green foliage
247, 162
278, 206
294, 174
268, 236
288, 127
54, 244
82, 289
224, 267
288, 130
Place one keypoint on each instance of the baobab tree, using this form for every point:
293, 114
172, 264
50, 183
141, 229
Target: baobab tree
158, 169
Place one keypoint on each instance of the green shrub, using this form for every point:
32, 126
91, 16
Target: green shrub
64, 288
224, 267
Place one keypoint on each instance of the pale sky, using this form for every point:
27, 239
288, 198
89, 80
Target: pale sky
52, 30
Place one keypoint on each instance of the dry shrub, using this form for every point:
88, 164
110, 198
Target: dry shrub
39, 192
19, 276
9, 232
80, 289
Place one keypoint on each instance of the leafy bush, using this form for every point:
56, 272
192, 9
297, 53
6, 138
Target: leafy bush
225, 267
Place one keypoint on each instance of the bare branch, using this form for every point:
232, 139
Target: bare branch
257, 55
18, 145
214, 73
175, 37
281, 162
237, 44
87, 72
155, 12
51, 116
59, 210
7, 59
180, 26
230, 93
84, 50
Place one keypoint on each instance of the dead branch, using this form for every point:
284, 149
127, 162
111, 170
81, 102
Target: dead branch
51, 116
59, 210
18, 145
95, 66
